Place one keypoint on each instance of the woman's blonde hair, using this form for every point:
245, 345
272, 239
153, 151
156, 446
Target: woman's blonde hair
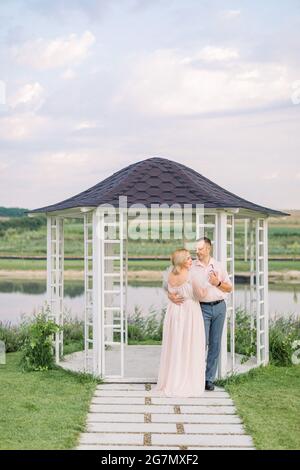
178, 258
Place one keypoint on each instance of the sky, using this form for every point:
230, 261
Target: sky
88, 87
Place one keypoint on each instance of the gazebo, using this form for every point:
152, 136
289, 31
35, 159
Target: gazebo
159, 185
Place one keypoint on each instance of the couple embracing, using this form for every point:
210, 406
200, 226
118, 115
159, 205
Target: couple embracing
194, 320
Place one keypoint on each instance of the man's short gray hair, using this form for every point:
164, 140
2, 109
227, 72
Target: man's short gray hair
205, 239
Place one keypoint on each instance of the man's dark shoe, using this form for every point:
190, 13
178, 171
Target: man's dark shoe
209, 386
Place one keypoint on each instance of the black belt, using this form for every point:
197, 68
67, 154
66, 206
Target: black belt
212, 303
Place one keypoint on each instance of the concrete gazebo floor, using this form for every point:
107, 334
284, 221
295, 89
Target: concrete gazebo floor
141, 363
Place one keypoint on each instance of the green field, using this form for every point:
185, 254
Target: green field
19, 238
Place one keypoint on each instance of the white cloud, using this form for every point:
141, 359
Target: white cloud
271, 176
68, 74
248, 75
59, 52
3, 166
22, 126
231, 14
64, 159
30, 96
213, 54
2, 92
86, 125
164, 82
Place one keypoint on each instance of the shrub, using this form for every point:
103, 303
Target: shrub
19, 224
147, 327
37, 350
282, 333
73, 329
245, 334
12, 336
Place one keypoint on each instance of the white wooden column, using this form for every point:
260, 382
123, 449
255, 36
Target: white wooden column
98, 344
109, 327
262, 310
55, 278
231, 296
252, 304
222, 257
266, 291
88, 293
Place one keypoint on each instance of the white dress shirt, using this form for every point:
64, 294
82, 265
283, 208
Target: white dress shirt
200, 274
213, 292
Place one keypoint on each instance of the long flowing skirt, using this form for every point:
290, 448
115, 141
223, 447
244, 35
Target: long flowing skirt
182, 361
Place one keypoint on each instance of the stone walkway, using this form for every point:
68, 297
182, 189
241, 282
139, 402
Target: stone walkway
131, 416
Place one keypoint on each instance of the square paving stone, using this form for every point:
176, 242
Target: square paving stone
111, 438
192, 401
121, 387
213, 428
131, 408
115, 417
202, 440
195, 418
217, 410
119, 400
131, 427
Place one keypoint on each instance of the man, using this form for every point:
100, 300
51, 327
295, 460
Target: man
213, 306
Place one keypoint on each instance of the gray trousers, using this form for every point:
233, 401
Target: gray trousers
214, 318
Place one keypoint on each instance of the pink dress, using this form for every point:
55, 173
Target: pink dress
182, 361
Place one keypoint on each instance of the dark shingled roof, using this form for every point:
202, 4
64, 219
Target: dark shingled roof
157, 181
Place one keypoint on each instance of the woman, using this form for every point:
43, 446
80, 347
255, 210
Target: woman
182, 361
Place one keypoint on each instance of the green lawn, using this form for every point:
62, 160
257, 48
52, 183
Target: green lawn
47, 410
42, 410
268, 401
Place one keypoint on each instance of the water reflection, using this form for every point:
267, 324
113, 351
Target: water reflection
19, 297
71, 288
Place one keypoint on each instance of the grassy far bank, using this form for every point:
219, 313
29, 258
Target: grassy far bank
42, 410
268, 401
135, 265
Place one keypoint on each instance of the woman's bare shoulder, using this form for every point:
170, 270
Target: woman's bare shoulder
176, 280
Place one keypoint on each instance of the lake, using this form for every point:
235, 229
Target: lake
25, 296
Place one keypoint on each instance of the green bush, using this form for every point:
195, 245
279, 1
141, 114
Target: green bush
19, 224
282, 333
37, 350
145, 327
12, 211
245, 334
12, 336
73, 329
